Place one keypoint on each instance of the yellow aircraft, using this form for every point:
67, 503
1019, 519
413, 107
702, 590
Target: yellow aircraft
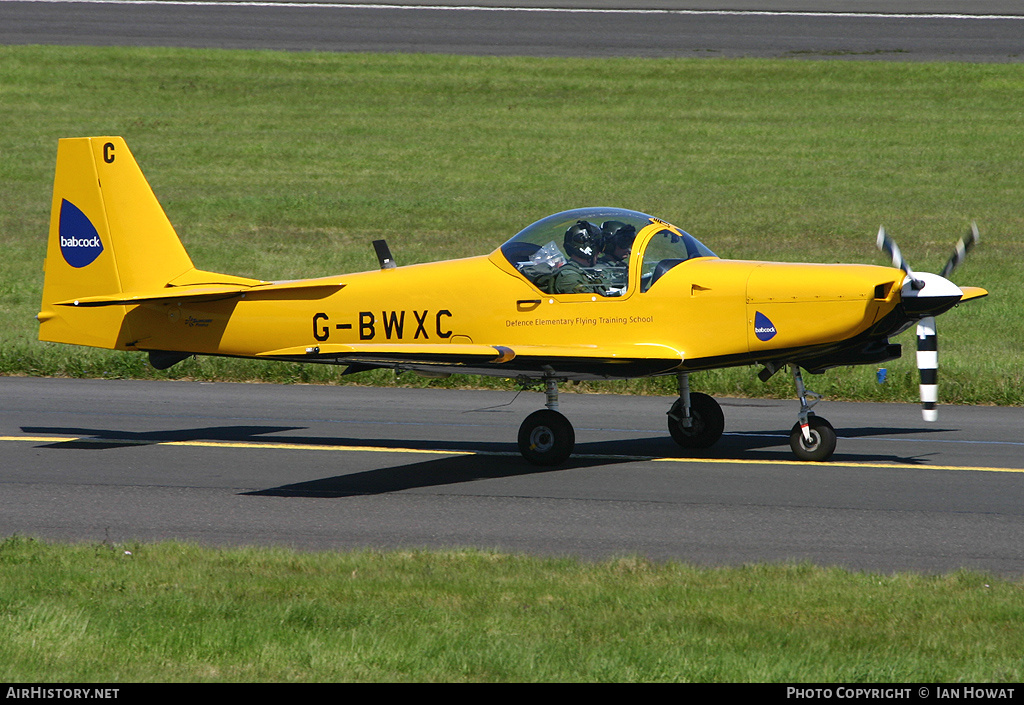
592, 293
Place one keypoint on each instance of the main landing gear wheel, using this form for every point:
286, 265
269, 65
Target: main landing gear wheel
822, 443
546, 438
707, 422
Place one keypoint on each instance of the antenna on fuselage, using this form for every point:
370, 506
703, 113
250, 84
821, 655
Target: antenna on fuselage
384, 254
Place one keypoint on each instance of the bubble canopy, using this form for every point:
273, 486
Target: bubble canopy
668, 246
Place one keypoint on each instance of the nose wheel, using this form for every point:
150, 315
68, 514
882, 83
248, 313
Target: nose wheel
812, 437
817, 443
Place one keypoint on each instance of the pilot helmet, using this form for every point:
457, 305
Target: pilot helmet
617, 235
583, 240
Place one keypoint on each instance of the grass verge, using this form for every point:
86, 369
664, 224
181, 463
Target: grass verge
179, 612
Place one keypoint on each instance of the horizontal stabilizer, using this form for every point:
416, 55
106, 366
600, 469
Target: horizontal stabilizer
211, 292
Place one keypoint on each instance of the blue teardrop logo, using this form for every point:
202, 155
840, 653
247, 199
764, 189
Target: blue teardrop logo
79, 242
764, 329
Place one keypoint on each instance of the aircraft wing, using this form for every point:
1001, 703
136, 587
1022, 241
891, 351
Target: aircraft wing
532, 361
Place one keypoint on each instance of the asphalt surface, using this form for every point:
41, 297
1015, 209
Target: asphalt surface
322, 468
906, 30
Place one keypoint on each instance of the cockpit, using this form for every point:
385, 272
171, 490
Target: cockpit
595, 251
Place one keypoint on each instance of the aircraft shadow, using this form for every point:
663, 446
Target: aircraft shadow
431, 473
104, 439
488, 459
461, 469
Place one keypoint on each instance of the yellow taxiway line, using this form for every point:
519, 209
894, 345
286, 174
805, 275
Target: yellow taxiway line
837, 464
278, 445
270, 445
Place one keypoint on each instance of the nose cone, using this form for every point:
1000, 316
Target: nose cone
928, 294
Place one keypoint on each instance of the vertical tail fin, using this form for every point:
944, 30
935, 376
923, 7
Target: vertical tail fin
108, 235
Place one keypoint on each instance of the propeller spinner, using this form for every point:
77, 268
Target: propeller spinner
928, 295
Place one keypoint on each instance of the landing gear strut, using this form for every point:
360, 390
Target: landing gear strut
546, 436
695, 419
812, 437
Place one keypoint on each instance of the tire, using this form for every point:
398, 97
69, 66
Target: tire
707, 422
823, 440
546, 438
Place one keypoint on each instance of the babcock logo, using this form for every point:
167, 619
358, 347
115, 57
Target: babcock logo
79, 242
764, 329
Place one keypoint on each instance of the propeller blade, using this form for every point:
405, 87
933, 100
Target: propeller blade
928, 366
964, 246
890, 248
887, 245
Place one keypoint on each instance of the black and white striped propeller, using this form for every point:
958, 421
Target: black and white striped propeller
924, 296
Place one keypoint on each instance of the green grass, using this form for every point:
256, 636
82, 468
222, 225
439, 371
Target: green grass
177, 612
284, 165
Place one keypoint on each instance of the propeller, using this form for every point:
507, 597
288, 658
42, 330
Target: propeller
938, 298
965, 245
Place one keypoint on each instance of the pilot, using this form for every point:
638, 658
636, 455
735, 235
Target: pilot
617, 243
583, 246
